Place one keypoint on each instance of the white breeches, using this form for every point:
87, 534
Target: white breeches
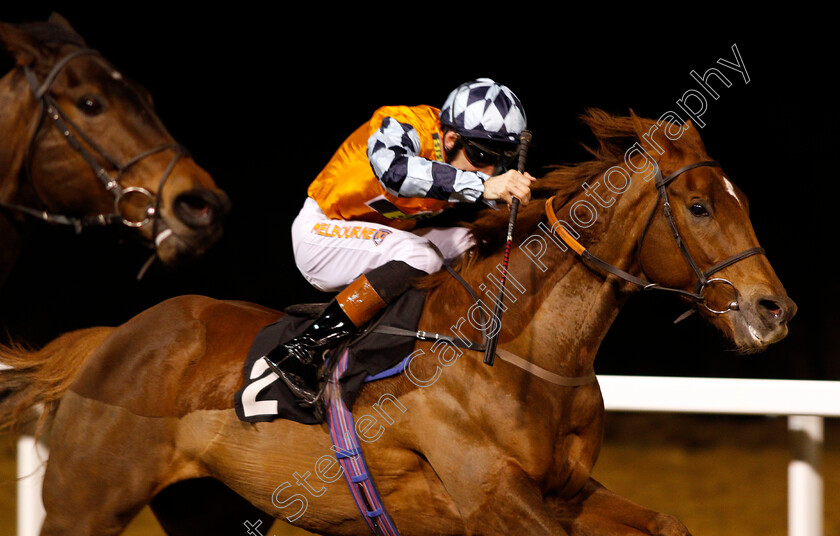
333, 253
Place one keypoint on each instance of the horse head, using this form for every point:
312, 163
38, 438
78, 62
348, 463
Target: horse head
699, 238
650, 211
92, 149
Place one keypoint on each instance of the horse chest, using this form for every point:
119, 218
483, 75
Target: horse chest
563, 448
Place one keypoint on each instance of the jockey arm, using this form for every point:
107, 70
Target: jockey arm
394, 150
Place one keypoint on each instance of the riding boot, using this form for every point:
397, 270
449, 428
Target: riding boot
298, 361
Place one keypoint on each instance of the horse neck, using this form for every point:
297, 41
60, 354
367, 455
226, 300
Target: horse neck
557, 318
18, 123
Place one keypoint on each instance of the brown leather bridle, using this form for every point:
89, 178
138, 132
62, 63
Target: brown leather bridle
704, 278
54, 113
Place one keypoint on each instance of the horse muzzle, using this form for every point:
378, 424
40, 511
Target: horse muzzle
191, 225
201, 209
760, 320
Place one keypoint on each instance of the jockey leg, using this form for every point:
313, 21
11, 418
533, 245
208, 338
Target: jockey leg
331, 254
298, 360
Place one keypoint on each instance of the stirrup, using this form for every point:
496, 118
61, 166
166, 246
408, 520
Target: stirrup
307, 397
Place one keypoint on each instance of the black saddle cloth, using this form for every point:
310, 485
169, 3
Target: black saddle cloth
370, 354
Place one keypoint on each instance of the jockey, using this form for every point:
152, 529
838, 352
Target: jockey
357, 231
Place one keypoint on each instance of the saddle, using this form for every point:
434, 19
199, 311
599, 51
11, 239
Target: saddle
372, 352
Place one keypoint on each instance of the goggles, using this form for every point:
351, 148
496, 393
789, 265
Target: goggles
484, 153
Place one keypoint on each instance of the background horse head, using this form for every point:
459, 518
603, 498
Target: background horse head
82, 146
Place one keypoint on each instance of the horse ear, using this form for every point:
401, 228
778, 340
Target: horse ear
637, 124
669, 136
692, 136
20, 44
645, 132
59, 20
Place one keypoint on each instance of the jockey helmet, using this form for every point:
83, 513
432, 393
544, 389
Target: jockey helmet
484, 110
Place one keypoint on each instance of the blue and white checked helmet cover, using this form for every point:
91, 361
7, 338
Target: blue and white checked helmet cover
486, 110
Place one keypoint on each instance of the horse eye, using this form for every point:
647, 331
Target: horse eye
698, 210
89, 105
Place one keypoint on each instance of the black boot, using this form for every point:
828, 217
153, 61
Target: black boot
298, 361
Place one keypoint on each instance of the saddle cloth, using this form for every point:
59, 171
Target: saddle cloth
264, 397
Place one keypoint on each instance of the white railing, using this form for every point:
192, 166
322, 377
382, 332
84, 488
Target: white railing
31, 458
804, 403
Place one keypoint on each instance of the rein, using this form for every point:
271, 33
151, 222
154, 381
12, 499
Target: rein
51, 109
704, 279
341, 424
504, 355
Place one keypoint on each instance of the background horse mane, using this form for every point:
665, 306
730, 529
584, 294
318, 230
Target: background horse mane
614, 135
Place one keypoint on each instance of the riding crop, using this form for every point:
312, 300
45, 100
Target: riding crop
490, 352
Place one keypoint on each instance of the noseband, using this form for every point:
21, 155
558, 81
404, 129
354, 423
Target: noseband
59, 118
704, 278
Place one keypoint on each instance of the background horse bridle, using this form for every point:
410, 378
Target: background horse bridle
704, 278
59, 118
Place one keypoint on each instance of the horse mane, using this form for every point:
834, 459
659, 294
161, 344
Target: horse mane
614, 135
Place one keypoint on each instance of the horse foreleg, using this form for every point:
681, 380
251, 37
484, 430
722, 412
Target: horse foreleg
598, 511
504, 500
105, 465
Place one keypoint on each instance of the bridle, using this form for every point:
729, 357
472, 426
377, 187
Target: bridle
704, 278
57, 116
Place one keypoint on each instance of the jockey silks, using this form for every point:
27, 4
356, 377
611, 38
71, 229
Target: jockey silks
391, 171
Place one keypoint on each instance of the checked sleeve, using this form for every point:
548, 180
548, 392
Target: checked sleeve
394, 150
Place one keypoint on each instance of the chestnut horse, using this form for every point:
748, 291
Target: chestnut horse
81, 145
454, 446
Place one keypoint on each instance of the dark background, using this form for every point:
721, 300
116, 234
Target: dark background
263, 97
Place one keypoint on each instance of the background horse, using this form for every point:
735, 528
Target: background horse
81, 145
456, 447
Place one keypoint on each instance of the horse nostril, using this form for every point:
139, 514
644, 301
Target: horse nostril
777, 310
771, 307
200, 208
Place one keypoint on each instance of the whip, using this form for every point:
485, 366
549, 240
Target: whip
490, 352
